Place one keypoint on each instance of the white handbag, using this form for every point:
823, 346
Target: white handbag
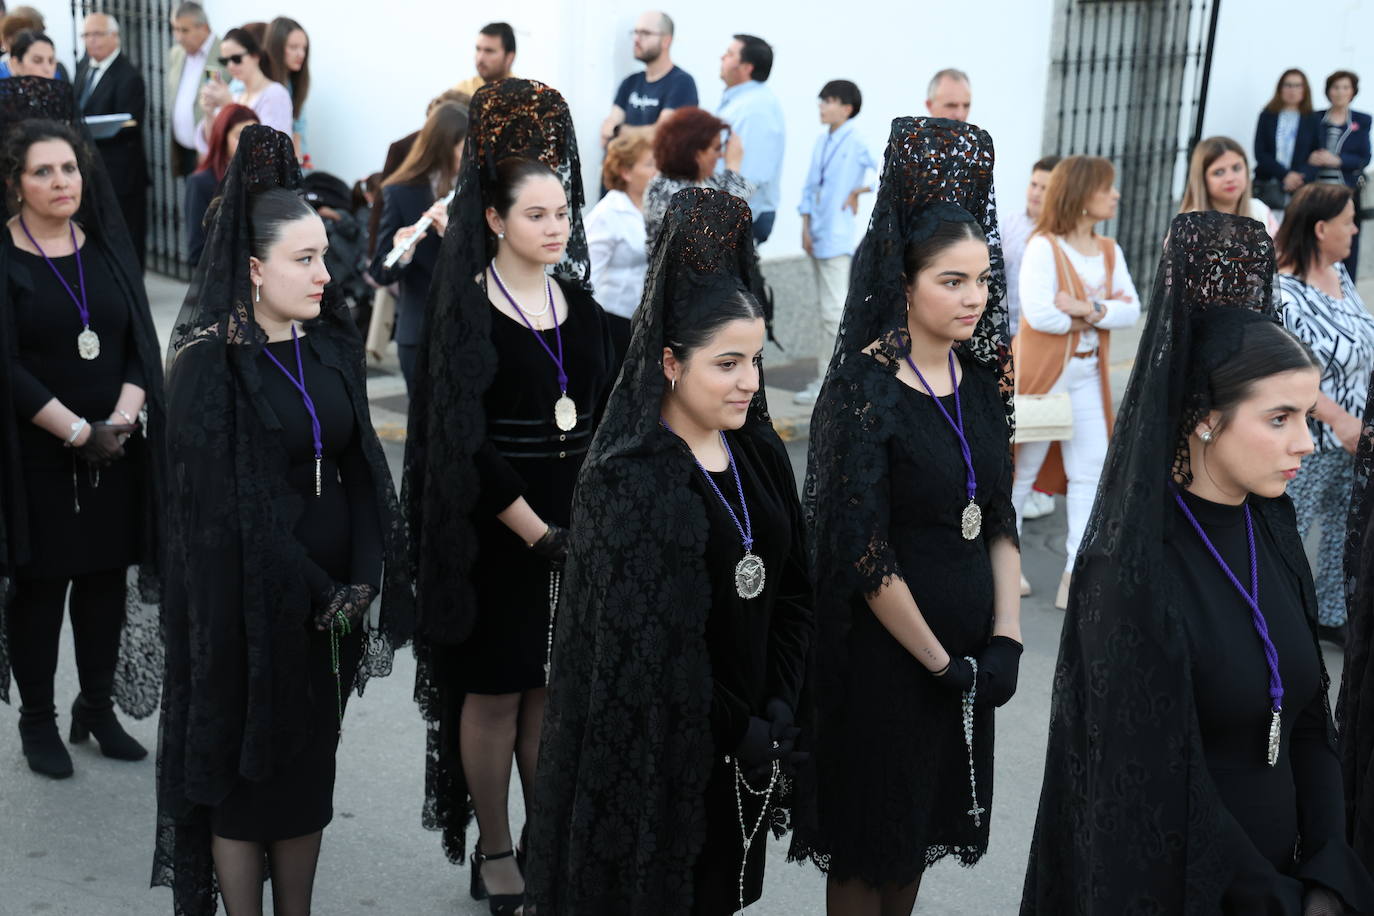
1043, 417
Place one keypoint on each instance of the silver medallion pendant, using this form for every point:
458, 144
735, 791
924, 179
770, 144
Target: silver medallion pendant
749, 576
1275, 733
971, 522
565, 413
88, 344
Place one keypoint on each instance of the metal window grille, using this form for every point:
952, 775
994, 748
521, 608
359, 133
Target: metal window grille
145, 36
1128, 81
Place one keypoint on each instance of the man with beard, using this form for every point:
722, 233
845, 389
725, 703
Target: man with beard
495, 55
645, 97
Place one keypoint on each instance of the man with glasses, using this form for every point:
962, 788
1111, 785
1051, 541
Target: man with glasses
650, 95
188, 67
107, 82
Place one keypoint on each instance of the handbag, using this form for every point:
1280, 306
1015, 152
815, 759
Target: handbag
1043, 417
1270, 191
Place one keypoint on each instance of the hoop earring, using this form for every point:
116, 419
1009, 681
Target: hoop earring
673, 382
257, 292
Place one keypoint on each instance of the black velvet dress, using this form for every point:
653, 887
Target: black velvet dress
1286, 821
758, 651
892, 780
342, 535
104, 535
527, 455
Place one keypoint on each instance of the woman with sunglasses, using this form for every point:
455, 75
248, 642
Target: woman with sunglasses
254, 85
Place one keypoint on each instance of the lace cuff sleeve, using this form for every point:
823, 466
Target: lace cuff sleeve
999, 516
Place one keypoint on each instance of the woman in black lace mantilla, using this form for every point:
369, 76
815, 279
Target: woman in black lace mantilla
685, 619
283, 528
81, 436
1191, 765
510, 383
916, 558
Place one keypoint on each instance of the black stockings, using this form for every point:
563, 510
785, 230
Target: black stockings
239, 870
855, 898
35, 628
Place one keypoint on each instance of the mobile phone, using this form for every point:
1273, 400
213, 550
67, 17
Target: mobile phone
211, 75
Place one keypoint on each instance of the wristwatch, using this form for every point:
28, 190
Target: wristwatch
1098, 307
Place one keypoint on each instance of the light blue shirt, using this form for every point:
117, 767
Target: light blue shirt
840, 163
753, 112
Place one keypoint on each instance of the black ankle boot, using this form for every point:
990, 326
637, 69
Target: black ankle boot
98, 718
43, 747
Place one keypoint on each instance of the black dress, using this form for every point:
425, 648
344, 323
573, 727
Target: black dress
105, 534
892, 781
1287, 821
527, 455
341, 532
757, 649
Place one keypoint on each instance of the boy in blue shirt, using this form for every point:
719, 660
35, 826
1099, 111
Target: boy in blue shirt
840, 166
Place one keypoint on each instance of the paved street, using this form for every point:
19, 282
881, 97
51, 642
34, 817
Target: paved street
84, 845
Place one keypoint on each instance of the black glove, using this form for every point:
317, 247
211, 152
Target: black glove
998, 665
957, 675
759, 747
345, 607
553, 546
105, 443
780, 714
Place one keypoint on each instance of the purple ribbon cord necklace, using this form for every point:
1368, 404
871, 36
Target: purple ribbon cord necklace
749, 571
299, 384
971, 522
87, 342
1251, 597
564, 409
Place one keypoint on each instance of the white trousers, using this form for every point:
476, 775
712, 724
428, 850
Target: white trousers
832, 285
1084, 454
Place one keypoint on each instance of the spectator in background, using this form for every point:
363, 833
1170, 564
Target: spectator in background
397, 152
1075, 288
949, 95
494, 59
687, 149
1284, 129
753, 111
1323, 310
201, 184
416, 190
1340, 146
188, 61
650, 95
1016, 231
241, 53
615, 231
1219, 179
32, 54
288, 47
23, 18
107, 82
839, 172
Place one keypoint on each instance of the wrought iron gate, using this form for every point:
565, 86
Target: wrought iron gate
1128, 81
145, 36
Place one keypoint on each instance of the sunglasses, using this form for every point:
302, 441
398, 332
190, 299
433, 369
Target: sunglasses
234, 59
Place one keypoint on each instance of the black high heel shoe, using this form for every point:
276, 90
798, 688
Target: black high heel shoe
99, 719
499, 904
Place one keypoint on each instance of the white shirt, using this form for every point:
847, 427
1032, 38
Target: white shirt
1016, 231
97, 70
1039, 283
188, 96
615, 242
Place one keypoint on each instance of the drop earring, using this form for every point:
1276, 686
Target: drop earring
673, 382
257, 292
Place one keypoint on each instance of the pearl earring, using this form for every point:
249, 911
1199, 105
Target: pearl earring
1206, 437
500, 235
257, 292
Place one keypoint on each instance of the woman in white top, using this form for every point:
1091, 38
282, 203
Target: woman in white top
1219, 179
241, 54
1075, 289
615, 230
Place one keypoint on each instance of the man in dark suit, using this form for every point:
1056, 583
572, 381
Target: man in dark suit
107, 82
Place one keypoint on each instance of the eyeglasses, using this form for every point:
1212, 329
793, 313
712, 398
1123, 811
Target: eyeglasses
643, 33
234, 59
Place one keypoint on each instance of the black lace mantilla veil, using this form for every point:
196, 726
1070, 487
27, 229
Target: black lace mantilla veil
1355, 709
138, 675
619, 810
1129, 818
236, 700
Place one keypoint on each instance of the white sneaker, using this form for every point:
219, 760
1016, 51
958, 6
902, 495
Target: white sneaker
809, 394
1037, 505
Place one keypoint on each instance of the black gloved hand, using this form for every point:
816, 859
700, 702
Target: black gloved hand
998, 666
345, 607
957, 675
105, 443
759, 748
780, 714
553, 546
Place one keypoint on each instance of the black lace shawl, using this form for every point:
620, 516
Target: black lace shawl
619, 814
138, 675
235, 701
1129, 818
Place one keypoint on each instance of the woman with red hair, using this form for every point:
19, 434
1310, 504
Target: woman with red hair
687, 148
201, 184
